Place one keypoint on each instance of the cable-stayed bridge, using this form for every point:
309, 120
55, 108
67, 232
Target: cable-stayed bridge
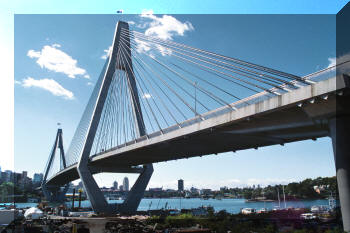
158, 100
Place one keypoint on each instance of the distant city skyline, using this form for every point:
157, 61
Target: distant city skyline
44, 107
180, 185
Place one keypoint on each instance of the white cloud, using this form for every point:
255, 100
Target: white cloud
165, 27
107, 53
56, 45
17, 82
163, 50
49, 85
152, 55
142, 46
131, 22
89, 83
147, 96
332, 62
147, 12
54, 59
342, 62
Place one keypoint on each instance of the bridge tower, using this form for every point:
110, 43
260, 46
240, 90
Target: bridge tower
97, 200
339, 124
54, 193
339, 132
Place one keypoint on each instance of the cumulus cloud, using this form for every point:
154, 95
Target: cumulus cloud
89, 83
147, 12
49, 85
163, 27
163, 50
142, 46
332, 62
56, 45
54, 59
107, 53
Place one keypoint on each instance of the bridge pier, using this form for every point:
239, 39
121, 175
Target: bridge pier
93, 192
54, 193
131, 203
340, 134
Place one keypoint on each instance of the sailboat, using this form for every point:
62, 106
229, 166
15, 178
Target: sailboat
284, 198
279, 201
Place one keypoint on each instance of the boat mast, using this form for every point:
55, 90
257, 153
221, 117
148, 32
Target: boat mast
284, 197
279, 201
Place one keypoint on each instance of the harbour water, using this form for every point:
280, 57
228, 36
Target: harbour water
230, 205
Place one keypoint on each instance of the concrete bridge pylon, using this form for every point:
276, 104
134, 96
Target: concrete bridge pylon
98, 202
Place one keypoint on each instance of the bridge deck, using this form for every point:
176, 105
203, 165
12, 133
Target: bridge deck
276, 120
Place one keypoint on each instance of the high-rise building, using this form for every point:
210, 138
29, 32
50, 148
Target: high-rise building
115, 185
37, 178
125, 184
180, 185
24, 175
80, 185
8, 176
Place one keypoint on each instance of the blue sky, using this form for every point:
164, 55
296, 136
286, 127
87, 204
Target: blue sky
301, 45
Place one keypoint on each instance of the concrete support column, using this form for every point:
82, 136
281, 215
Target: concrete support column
137, 191
54, 193
340, 134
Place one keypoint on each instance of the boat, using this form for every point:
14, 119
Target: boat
113, 198
332, 203
262, 210
248, 211
319, 208
202, 210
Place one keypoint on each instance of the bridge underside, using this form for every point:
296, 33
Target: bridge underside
299, 115
285, 124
